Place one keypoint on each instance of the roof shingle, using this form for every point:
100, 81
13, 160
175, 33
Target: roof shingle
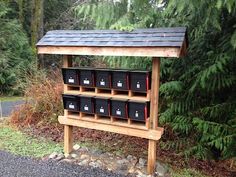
154, 37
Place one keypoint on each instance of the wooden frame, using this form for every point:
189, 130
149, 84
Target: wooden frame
150, 129
113, 51
154, 113
104, 93
151, 132
68, 129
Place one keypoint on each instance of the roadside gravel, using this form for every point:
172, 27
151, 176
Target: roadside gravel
17, 166
9, 106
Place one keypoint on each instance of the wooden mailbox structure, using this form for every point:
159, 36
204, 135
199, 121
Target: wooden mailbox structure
155, 43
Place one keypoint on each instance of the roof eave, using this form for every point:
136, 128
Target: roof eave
111, 51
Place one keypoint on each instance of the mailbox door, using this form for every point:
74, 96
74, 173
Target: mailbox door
87, 105
119, 109
70, 76
102, 107
87, 78
138, 111
120, 80
71, 102
139, 82
103, 79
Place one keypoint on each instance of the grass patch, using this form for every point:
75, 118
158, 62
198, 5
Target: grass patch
16, 142
19, 143
186, 173
10, 98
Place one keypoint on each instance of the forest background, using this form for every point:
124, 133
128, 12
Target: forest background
197, 93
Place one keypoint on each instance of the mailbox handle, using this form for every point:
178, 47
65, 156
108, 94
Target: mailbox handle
127, 81
147, 82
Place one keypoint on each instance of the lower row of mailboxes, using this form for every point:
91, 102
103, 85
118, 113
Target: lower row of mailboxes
118, 108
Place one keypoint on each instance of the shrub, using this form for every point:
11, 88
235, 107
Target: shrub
43, 99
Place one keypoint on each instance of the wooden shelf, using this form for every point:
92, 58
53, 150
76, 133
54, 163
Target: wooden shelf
108, 120
125, 129
108, 93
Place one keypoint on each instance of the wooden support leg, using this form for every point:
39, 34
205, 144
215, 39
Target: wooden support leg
68, 136
153, 113
68, 139
152, 145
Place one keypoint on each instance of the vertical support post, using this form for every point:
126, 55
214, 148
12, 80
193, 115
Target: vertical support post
68, 130
68, 139
153, 113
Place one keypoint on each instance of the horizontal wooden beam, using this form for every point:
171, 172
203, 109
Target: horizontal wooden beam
108, 95
112, 51
147, 134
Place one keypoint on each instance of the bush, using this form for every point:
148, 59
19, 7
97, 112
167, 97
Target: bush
43, 99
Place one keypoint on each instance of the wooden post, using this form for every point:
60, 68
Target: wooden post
153, 113
68, 130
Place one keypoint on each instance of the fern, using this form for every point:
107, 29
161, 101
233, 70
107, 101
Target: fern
171, 87
197, 93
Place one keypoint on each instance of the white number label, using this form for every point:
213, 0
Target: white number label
118, 112
86, 82
119, 84
102, 82
71, 106
138, 85
71, 81
102, 110
86, 108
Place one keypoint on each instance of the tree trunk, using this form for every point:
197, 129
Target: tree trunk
36, 21
21, 11
37, 24
128, 5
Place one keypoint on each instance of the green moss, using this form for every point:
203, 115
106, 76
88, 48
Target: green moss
186, 173
19, 143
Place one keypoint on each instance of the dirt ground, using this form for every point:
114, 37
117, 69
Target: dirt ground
127, 145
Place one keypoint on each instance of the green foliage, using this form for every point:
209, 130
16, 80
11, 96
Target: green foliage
11, 98
186, 173
15, 53
209, 79
198, 92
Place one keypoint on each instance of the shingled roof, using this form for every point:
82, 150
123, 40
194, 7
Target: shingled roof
154, 37
138, 38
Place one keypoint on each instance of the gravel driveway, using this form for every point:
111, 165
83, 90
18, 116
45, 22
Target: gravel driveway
17, 166
9, 106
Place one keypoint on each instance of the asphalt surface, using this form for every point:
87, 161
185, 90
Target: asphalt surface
9, 106
17, 166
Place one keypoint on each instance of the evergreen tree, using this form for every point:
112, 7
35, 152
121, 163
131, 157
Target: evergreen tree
15, 52
198, 92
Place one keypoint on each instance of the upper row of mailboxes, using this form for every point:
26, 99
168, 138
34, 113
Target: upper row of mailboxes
119, 79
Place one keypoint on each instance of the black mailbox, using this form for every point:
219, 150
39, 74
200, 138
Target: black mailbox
87, 104
120, 79
102, 106
103, 78
119, 108
138, 111
87, 77
70, 76
140, 81
71, 102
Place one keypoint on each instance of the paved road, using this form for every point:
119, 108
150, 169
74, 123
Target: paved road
9, 106
17, 166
